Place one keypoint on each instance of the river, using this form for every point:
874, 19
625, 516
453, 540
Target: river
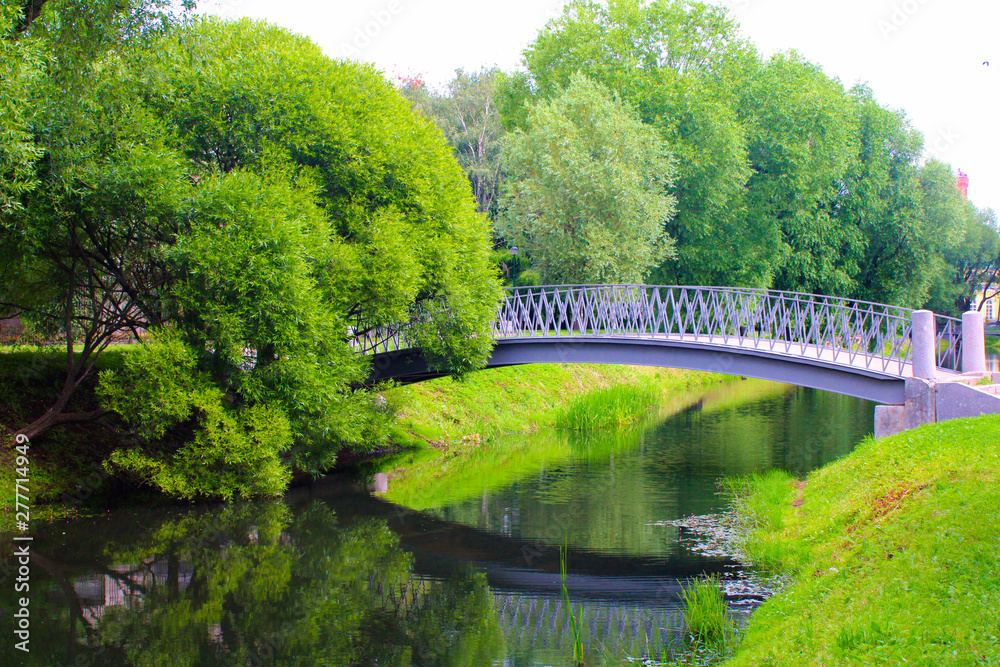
452, 561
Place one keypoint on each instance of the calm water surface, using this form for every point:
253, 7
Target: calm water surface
446, 561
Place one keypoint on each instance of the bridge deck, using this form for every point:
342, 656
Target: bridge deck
870, 365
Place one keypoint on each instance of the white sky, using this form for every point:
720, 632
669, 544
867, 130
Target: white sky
923, 56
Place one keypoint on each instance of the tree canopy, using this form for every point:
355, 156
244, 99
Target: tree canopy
589, 189
256, 206
785, 179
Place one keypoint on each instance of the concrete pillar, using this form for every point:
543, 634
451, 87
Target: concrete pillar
924, 345
973, 343
380, 483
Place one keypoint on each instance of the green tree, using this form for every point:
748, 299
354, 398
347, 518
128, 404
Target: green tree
230, 183
800, 132
19, 65
589, 189
668, 58
468, 114
75, 249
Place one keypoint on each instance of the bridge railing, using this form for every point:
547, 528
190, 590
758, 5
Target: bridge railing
839, 330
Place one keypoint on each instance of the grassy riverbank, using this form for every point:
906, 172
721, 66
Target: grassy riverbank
892, 552
521, 399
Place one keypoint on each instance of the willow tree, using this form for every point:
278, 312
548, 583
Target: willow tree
588, 194
255, 206
669, 59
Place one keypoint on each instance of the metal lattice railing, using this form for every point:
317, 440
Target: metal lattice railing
842, 331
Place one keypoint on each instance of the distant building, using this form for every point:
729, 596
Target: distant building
962, 181
990, 308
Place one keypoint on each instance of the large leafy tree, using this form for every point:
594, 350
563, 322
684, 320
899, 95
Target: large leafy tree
75, 248
266, 205
669, 59
589, 189
799, 139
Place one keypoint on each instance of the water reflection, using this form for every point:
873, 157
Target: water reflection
258, 584
453, 561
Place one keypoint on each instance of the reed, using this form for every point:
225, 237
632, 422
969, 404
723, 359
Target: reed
621, 405
706, 614
576, 624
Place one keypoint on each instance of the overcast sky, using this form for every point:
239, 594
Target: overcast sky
923, 56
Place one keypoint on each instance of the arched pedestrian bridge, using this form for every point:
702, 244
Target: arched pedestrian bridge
858, 348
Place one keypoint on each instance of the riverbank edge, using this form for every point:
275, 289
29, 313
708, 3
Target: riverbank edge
66, 465
517, 399
890, 551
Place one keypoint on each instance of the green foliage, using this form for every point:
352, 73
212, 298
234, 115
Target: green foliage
891, 550
588, 196
784, 179
190, 442
799, 135
384, 177
19, 66
468, 115
230, 183
620, 405
667, 59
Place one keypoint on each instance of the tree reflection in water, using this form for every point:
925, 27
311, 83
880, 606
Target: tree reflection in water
257, 585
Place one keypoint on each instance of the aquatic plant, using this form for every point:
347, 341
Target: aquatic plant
706, 615
576, 624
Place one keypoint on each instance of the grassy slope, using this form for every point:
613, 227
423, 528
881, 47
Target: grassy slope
518, 399
894, 551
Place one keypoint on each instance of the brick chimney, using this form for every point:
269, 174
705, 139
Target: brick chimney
962, 181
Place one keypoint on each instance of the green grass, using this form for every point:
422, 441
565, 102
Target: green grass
892, 553
706, 615
621, 405
575, 617
520, 399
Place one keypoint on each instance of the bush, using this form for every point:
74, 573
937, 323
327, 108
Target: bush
188, 441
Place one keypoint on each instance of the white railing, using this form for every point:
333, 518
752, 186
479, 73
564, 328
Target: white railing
837, 330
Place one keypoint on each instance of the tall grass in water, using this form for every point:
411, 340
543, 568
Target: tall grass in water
575, 623
615, 406
707, 616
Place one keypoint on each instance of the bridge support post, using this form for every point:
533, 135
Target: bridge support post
923, 341
920, 408
973, 343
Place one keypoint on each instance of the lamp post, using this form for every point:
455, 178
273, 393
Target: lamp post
513, 263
